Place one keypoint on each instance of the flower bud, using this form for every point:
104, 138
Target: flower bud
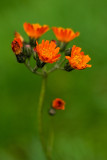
21, 58
68, 52
27, 50
52, 111
67, 67
39, 63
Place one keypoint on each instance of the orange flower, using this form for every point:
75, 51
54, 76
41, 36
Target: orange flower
47, 52
58, 104
17, 46
78, 60
64, 35
17, 35
35, 30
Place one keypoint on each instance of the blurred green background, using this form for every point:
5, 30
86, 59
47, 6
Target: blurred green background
80, 130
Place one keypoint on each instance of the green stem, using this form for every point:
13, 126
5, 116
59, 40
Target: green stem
40, 112
27, 64
51, 140
53, 69
62, 61
40, 118
57, 66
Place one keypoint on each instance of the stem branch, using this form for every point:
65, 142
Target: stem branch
27, 64
57, 66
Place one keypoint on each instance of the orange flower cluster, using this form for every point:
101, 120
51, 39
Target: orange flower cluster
17, 43
47, 52
35, 30
78, 60
64, 35
58, 104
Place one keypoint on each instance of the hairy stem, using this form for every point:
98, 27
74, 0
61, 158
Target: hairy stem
40, 112
40, 118
50, 140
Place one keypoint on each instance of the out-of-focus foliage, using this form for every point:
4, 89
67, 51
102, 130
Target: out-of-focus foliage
80, 130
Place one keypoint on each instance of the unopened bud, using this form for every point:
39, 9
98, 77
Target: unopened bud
67, 67
68, 52
27, 50
52, 111
38, 61
21, 58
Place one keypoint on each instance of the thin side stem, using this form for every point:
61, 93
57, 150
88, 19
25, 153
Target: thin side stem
53, 69
35, 68
62, 61
28, 66
31, 69
57, 66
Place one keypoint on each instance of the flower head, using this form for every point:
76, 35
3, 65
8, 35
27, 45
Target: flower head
17, 46
35, 30
58, 104
17, 35
78, 60
47, 52
64, 35
17, 43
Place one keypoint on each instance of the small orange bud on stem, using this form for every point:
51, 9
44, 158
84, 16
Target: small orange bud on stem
58, 104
